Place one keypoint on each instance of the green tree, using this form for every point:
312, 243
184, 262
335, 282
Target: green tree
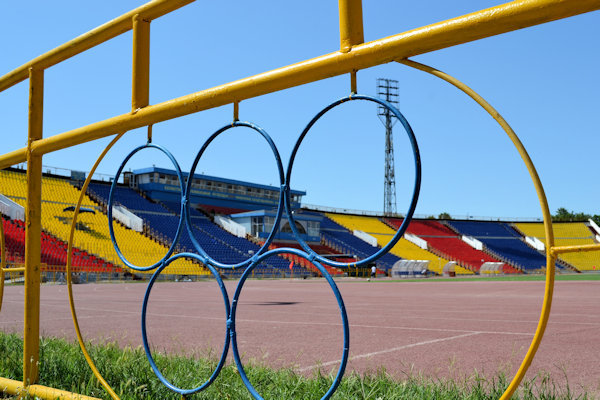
564, 215
444, 215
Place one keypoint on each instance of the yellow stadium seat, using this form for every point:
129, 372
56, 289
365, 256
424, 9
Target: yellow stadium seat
92, 232
567, 234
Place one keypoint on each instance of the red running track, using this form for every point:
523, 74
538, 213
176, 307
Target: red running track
437, 328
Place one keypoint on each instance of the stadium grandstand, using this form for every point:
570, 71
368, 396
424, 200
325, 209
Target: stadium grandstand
503, 242
232, 219
446, 243
59, 197
566, 234
404, 248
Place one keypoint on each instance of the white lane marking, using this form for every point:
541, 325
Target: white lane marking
375, 353
374, 326
303, 323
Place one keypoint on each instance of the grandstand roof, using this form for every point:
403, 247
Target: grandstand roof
212, 178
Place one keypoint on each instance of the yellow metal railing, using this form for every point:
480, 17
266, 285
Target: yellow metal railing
352, 56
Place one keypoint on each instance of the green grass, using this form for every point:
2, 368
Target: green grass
62, 366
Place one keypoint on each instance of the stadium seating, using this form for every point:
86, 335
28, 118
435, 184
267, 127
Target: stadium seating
446, 243
383, 233
567, 234
163, 219
53, 251
125, 196
319, 249
503, 242
92, 229
340, 239
94, 250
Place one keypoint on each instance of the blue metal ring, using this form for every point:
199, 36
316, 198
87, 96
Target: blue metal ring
158, 374
416, 188
262, 254
280, 207
340, 301
110, 203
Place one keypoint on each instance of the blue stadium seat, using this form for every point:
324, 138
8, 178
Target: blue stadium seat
163, 218
504, 242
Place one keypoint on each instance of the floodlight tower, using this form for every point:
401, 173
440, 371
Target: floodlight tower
387, 89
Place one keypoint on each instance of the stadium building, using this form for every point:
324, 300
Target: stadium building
231, 220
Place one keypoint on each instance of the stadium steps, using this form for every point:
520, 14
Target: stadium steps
562, 263
503, 242
509, 266
58, 193
568, 234
431, 248
446, 243
333, 271
148, 231
53, 251
205, 226
141, 206
403, 248
341, 239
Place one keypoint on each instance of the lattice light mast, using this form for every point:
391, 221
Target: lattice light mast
387, 89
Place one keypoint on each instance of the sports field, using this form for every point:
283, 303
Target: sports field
438, 328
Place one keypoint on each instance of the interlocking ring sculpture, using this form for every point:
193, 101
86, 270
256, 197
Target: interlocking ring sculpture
263, 253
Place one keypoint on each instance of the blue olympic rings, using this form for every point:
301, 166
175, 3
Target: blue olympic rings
416, 188
110, 211
340, 301
262, 254
157, 372
188, 191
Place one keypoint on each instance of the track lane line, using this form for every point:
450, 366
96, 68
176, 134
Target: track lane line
375, 353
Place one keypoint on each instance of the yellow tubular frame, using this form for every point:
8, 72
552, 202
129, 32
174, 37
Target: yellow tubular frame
550, 257
38, 391
88, 359
352, 56
492, 21
574, 249
33, 230
351, 24
149, 11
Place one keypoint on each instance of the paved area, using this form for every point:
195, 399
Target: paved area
437, 328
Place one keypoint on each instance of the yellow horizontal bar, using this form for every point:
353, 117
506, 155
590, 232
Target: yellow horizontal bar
574, 249
13, 387
13, 157
21, 269
101, 34
496, 20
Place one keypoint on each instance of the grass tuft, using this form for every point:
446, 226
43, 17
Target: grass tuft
63, 366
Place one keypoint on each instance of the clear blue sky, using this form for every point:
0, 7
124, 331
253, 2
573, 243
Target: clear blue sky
544, 80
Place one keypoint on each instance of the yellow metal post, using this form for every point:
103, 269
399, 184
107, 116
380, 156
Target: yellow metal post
351, 24
2, 260
236, 111
140, 80
31, 344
